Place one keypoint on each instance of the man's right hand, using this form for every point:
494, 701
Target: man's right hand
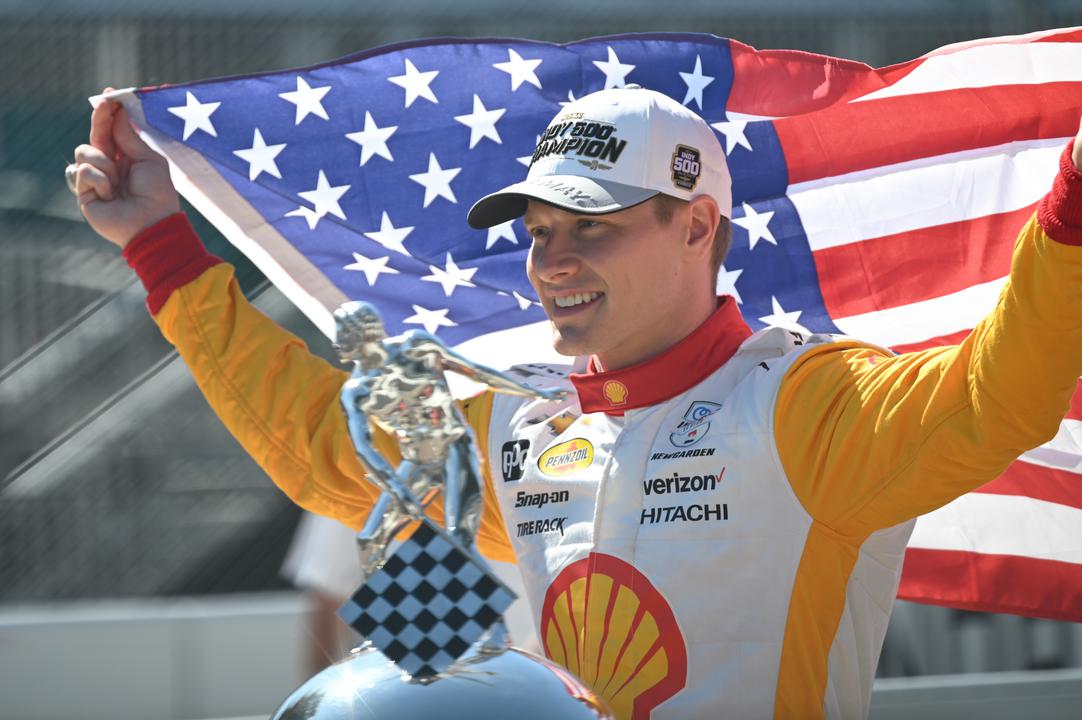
123, 186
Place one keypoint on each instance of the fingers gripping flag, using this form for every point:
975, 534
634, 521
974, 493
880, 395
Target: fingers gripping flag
879, 203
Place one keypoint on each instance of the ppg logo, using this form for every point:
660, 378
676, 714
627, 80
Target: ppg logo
513, 456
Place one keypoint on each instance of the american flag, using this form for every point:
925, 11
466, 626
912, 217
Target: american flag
879, 203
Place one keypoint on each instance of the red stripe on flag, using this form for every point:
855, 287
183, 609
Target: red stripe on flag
862, 135
779, 83
993, 583
1038, 482
952, 339
1075, 413
897, 270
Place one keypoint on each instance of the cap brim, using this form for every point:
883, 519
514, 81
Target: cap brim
569, 192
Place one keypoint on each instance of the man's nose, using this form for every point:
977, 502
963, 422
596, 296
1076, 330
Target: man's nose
556, 258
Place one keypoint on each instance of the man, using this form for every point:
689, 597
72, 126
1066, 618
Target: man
714, 523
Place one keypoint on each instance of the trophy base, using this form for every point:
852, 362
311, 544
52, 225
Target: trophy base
483, 684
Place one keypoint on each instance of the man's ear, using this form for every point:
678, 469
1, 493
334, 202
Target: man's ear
703, 222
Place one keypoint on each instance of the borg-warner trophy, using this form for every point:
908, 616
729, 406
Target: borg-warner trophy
431, 611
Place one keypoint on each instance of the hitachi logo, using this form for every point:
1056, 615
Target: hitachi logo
679, 513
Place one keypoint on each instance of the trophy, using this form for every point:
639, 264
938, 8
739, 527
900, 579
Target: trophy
430, 611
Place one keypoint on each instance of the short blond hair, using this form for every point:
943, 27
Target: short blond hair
665, 207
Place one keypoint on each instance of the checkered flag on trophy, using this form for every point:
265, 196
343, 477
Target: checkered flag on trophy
427, 604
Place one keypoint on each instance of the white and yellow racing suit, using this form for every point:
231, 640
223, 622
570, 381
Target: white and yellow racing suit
716, 532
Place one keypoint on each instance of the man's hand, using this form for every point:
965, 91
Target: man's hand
123, 186
1076, 155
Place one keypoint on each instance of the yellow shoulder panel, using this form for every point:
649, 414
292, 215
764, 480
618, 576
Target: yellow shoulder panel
869, 440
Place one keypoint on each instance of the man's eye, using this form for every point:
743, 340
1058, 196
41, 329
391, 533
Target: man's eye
587, 224
537, 232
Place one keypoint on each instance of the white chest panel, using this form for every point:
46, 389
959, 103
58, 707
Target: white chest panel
690, 492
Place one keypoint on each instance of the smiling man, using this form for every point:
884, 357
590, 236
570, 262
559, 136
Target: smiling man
598, 278
713, 523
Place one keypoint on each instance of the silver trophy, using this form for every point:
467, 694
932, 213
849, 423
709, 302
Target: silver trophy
431, 612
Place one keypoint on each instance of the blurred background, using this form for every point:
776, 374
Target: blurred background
140, 549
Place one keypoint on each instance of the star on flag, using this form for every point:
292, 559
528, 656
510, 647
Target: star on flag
389, 236
733, 130
696, 82
260, 157
481, 122
325, 197
373, 139
450, 276
520, 70
615, 71
309, 100
416, 84
432, 320
196, 115
757, 224
371, 267
436, 181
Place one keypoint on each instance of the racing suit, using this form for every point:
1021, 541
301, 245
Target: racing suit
718, 531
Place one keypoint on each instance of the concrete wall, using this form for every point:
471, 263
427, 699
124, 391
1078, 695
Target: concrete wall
166, 659
238, 656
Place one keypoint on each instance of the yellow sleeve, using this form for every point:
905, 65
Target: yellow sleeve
277, 399
869, 440
282, 404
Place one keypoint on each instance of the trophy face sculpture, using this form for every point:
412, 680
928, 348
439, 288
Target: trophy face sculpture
431, 612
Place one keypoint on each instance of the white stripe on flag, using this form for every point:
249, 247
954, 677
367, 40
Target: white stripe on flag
990, 65
919, 321
1002, 525
1002, 40
925, 193
1063, 452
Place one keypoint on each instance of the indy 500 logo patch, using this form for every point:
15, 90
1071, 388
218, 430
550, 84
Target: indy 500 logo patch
685, 167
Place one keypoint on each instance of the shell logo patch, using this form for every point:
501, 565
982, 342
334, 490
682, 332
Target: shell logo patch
605, 621
566, 458
615, 392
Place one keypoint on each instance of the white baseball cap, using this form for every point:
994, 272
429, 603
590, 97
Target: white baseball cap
614, 149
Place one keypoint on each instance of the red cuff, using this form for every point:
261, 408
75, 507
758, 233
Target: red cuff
166, 256
1060, 211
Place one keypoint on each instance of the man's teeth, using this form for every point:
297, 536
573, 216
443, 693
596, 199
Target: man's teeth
573, 300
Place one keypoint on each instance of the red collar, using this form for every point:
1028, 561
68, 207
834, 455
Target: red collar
681, 367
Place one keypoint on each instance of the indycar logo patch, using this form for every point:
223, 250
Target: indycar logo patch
695, 424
